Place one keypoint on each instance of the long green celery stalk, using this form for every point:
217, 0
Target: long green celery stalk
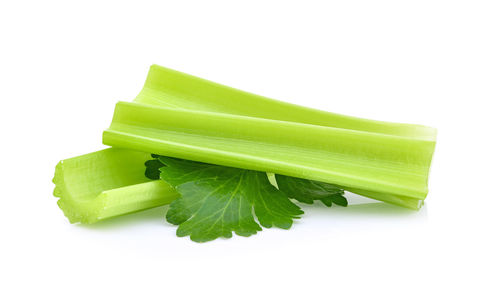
187, 117
169, 88
107, 183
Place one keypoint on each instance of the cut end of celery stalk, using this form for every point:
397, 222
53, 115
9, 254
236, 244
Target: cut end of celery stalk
105, 184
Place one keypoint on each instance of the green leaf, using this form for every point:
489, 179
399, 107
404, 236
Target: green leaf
306, 191
153, 168
337, 199
217, 200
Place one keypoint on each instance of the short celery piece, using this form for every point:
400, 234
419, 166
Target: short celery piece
107, 183
184, 116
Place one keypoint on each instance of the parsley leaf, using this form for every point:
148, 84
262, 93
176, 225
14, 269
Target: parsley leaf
217, 200
306, 191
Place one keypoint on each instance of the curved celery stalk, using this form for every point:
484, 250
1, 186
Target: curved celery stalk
107, 183
379, 163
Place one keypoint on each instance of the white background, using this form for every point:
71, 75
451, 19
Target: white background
63, 65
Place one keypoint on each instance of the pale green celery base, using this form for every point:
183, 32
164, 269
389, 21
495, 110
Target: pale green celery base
367, 161
106, 184
169, 88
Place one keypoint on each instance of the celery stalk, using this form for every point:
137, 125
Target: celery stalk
389, 167
107, 183
169, 88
